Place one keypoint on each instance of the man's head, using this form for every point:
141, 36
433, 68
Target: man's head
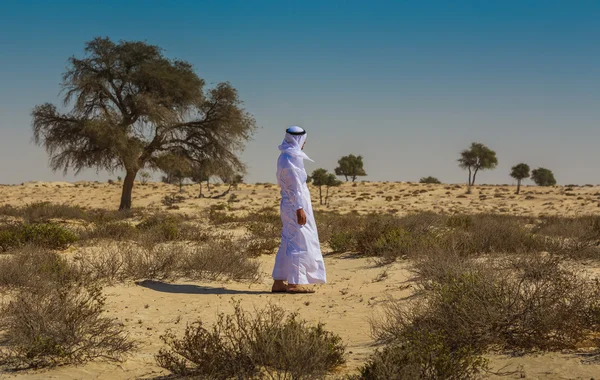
296, 135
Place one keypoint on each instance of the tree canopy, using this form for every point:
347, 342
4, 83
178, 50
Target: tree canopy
543, 177
130, 105
350, 167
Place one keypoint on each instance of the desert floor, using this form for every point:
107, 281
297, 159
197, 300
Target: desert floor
355, 289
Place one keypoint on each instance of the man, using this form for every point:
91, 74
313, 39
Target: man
299, 261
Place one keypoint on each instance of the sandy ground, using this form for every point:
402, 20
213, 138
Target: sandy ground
356, 286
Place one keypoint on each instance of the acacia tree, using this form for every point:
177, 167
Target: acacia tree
477, 157
129, 104
543, 177
319, 178
520, 172
350, 167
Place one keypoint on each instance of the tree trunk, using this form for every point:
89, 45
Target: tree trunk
127, 190
474, 174
200, 195
181, 186
320, 196
346, 177
469, 183
327, 197
353, 178
518, 186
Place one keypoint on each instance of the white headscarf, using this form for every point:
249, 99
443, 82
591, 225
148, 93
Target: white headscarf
292, 143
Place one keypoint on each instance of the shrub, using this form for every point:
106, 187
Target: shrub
47, 235
44, 211
342, 241
264, 229
468, 307
113, 230
218, 258
244, 346
430, 180
34, 266
161, 227
59, 323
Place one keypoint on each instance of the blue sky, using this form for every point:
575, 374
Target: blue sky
407, 84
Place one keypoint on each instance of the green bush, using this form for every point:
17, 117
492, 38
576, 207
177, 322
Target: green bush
430, 180
342, 241
48, 235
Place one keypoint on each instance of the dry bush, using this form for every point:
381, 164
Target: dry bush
111, 230
59, 323
264, 228
46, 211
48, 235
160, 227
218, 258
468, 307
480, 234
268, 344
576, 237
32, 266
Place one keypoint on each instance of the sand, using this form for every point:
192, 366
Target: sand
356, 287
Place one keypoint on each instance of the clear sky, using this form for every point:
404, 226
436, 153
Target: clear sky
407, 84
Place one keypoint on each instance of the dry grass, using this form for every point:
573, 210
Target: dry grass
217, 259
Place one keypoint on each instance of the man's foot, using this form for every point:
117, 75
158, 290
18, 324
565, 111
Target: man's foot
279, 287
295, 289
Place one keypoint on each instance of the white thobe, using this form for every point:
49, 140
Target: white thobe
299, 259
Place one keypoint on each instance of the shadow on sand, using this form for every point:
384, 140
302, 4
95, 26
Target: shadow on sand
193, 289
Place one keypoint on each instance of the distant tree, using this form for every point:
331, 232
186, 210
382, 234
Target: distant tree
543, 177
176, 168
203, 171
477, 157
350, 167
320, 178
520, 172
145, 177
130, 105
332, 181
430, 180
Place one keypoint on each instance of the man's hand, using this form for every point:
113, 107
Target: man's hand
301, 215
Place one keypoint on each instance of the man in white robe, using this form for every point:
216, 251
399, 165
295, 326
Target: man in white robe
299, 261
